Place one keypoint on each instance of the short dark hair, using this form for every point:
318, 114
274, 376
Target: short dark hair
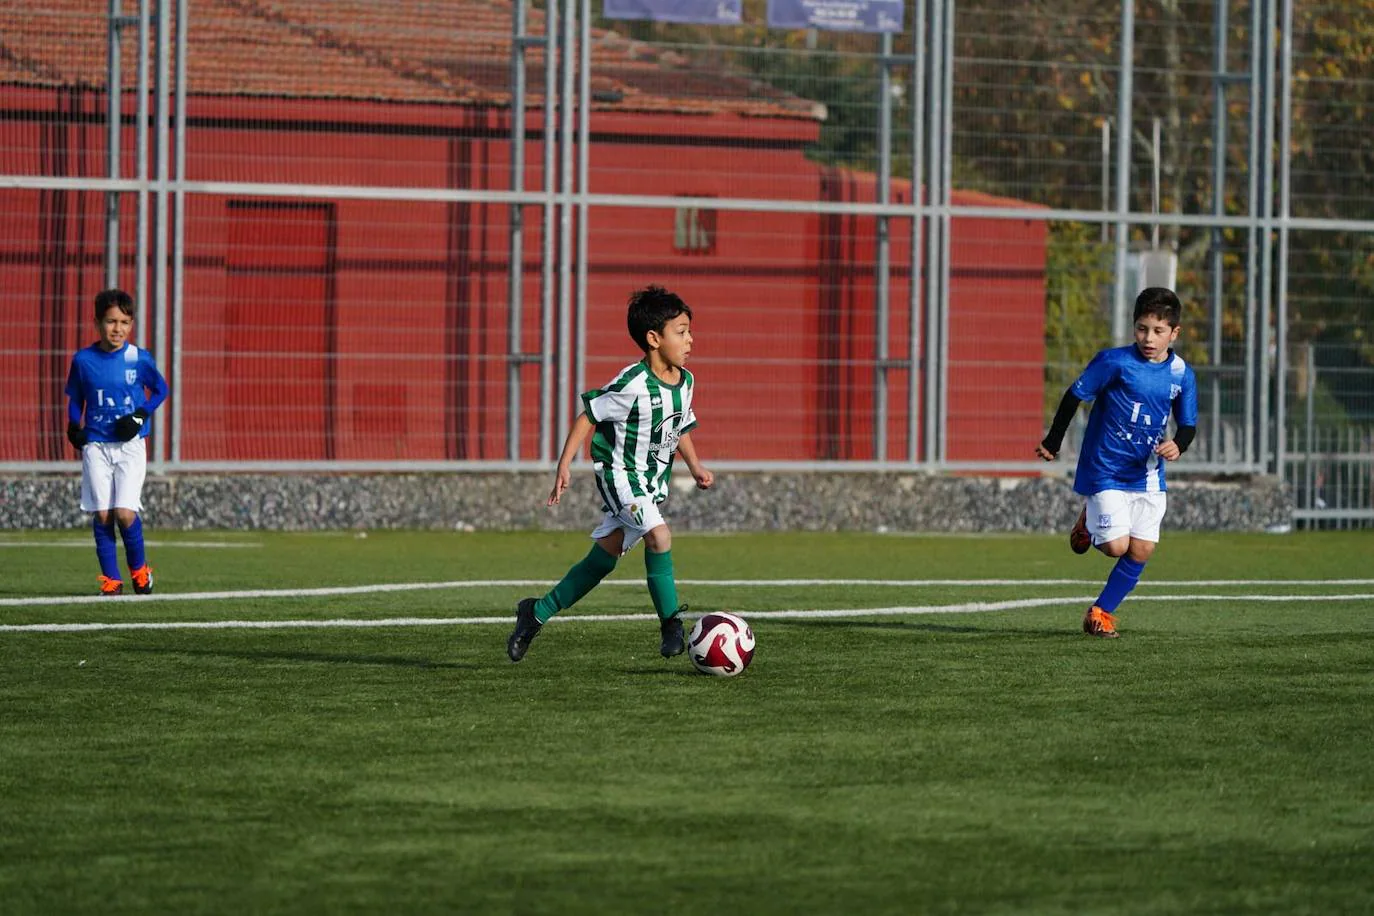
650, 309
113, 298
1161, 302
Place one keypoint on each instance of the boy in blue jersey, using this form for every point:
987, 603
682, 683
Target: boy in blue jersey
114, 387
1121, 460
639, 420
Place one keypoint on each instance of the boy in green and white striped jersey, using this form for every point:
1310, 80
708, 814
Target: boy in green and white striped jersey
638, 421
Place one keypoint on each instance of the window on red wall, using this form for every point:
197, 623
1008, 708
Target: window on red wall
694, 230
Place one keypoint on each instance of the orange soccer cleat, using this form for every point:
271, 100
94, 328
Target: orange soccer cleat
110, 586
143, 579
1079, 539
1098, 622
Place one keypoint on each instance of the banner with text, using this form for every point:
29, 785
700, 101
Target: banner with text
836, 15
702, 12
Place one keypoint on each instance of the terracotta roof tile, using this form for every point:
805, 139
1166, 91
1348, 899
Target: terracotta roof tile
441, 51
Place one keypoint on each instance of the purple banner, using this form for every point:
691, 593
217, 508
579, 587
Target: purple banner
704, 12
836, 15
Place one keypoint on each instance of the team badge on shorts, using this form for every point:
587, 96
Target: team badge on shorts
1104, 521
637, 513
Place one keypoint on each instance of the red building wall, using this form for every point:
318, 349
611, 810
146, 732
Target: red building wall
357, 329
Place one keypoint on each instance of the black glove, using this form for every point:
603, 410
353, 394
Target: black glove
76, 435
130, 425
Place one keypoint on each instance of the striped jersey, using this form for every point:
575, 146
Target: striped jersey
639, 419
1134, 399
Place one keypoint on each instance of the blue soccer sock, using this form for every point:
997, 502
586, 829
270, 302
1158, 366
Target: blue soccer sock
133, 544
106, 550
1125, 574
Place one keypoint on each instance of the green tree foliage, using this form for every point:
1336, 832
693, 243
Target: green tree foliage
1078, 271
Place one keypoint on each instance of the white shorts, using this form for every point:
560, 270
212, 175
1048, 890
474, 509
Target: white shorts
1113, 514
112, 475
637, 519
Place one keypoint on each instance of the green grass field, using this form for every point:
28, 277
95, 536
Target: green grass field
374, 750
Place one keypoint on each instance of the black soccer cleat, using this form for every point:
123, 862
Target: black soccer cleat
671, 632
526, 628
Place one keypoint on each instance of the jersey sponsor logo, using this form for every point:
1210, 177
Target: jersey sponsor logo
666, 437
1142, 436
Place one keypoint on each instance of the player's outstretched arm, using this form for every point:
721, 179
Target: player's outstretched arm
1048, 449
704, 478
562, 476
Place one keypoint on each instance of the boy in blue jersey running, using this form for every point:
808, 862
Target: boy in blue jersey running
1121, 460
638, 422
114, 387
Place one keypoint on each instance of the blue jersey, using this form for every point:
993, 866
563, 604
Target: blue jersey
1134, 398
105, 385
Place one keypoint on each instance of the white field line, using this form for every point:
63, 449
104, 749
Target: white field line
542, 584
87, 544
794, 614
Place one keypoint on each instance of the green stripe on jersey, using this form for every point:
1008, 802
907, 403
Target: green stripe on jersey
627, 451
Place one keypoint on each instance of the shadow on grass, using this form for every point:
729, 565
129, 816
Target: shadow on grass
662, 671
952, 628
331, 658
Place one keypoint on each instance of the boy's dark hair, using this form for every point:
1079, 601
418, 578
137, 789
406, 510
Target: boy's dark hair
116, 298
650, 309
1159, 302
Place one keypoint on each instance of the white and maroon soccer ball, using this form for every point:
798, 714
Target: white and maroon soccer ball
721, 644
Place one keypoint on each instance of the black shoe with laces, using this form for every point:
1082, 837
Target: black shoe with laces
671, 631
526, 628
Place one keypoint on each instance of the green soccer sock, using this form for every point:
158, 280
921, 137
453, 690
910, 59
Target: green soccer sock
580, 579
658, 569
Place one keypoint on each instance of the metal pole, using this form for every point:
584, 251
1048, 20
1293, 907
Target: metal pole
141, 153
1106, 174
946, 221
162, 160
1252, 231
179, 221
567, 99
914, 298
883, 280
1215, 254
1125, 90
1285, 211
1311, 421
1155, 128
516, 268
584, 111
932, 271
1267, 251
546, 324
113, 127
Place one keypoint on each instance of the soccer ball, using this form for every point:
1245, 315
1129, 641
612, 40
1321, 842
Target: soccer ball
721, 644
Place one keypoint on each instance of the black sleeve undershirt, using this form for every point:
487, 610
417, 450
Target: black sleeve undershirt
1183, 437
1062, 418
